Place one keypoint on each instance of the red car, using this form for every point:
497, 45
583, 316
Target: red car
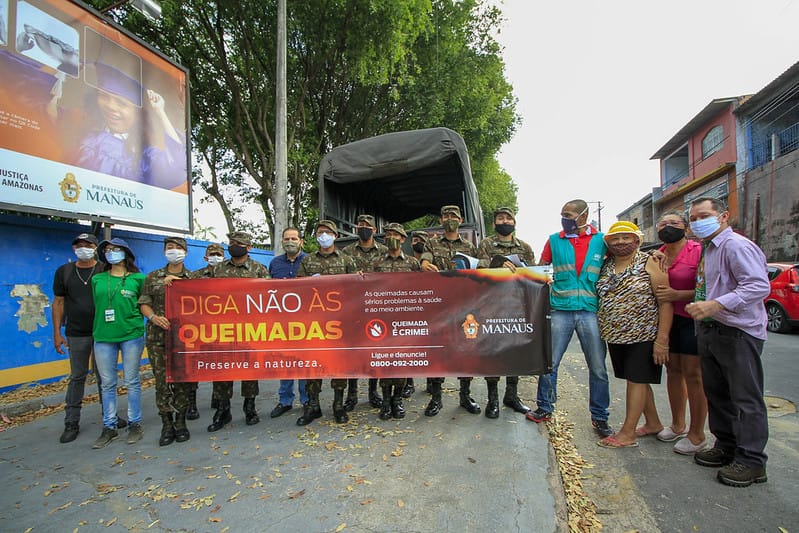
782, 304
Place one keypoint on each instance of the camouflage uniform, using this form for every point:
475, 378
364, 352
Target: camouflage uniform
492, 246
223, 390
365, 257
168, 396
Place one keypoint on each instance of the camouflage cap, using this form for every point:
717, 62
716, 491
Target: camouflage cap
214, 248
180, 241
394, 226
369, 219
329, 224
507, 210
454, 209
240, 236
421, 235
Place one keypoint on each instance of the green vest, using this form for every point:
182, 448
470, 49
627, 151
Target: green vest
568, 291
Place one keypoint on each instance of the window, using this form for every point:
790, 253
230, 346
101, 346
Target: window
713, 142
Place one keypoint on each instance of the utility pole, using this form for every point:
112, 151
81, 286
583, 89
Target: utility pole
599, 208
280, 196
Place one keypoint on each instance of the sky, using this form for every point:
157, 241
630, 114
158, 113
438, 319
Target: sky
603, 84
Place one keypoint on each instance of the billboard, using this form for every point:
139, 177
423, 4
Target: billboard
93, 123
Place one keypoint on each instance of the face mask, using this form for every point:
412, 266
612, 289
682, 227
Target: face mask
325, 240
418, 247
237, 250
365, 233
569, 225
84, 254
175, 256
115, 257
624, 249
670, 234
705, 227
291, 248
504, 229
214, 260
393, 243
451, 224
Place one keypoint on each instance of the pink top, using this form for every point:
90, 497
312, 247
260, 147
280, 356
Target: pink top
682, 272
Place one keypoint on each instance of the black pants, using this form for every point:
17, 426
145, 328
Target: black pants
732, 374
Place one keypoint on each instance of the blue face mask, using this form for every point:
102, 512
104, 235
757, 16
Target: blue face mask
569, 225
325, 240
114, 257
705, 227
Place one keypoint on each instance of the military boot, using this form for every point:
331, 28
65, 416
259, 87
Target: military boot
310, 410
250, 414
408, 389
511, 398
467, 402
397, 409
429, 386
374, 398
435, 404
492, 406
222, 415
181, 431
385, 409
192, 413
339, 413
352, 395
167, 430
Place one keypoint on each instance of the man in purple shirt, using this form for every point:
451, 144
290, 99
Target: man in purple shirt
731, 282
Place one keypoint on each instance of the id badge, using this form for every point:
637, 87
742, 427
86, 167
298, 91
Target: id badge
109, 315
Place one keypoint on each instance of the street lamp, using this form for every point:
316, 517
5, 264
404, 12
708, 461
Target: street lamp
151, 9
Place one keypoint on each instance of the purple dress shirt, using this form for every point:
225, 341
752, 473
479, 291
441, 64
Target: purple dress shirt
737, 278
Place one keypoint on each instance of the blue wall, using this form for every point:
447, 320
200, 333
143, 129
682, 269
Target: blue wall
31, 250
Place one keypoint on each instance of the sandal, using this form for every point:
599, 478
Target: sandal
613, 442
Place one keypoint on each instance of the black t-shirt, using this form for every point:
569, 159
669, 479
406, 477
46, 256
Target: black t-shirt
74, 284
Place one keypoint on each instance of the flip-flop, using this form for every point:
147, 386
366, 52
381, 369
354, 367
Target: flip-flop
641, 432
613, 442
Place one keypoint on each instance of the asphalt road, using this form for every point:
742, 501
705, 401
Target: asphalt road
651, 488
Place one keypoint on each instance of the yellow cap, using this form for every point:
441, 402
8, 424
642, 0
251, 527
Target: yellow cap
624, 226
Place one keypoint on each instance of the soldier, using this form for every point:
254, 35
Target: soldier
284, 267
240, 265
214, 255
365, 252
437, 256
394, 261
418, 239
175, 396
493, 251
327, 260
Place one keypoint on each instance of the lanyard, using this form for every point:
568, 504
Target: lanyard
116, 289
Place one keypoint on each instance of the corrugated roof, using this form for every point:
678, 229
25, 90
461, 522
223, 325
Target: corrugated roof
767, 93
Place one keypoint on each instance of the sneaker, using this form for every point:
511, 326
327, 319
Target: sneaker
714, 457
669, 435
135, 433
105, 438
602, 428
738, 475
686, 447
538, 416
70, 433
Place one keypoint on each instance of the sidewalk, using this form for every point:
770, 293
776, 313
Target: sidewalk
453, 472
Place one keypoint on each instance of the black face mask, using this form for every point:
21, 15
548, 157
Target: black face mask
365, 233
418, 247
671, 234
504, 229
237, 250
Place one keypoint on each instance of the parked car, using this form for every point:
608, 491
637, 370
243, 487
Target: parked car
782, 304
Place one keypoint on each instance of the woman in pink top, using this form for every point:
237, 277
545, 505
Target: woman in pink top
683, 369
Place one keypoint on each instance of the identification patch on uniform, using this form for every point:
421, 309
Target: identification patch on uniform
109, 315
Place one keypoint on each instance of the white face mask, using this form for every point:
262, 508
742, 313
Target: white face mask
325, 240
175, 256
214, 260
84, 254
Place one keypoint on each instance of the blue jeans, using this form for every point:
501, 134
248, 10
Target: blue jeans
106, 356
563, 325
285, 394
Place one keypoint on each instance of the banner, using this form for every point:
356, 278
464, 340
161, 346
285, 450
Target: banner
487, 322
93, 123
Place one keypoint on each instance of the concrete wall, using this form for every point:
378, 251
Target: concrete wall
772, 207
30, 252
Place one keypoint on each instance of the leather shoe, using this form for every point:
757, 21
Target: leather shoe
408, 390
375, 400
385, 411
516, 404
70, 433
192, 413
468, 403
433, 408
309, 414
340, 416
279, 410
492, 409
351, 402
